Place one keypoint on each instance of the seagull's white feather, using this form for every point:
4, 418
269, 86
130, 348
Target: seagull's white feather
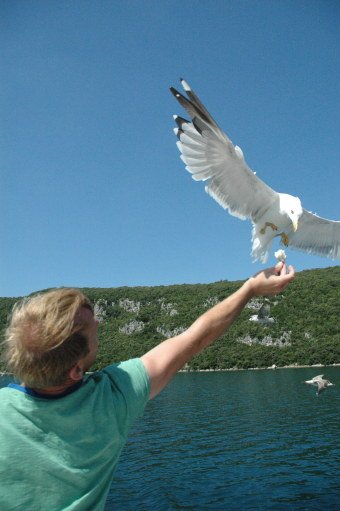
317, 235
209, 155
320, 382
231, 182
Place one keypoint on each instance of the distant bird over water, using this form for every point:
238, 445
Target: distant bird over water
318, 381
210, 156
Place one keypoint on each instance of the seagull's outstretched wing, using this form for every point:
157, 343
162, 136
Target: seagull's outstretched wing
317, 235
210, 155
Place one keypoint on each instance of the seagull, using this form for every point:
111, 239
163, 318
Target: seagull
319, 382
209, 155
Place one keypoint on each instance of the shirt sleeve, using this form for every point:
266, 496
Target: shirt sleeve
131, 381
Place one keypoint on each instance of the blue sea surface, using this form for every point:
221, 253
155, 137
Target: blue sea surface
243, 440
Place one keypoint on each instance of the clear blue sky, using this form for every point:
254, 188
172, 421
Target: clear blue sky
93, 192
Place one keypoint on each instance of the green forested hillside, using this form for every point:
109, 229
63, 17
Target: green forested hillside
305, 327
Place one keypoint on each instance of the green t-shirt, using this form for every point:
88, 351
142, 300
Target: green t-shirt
60, 454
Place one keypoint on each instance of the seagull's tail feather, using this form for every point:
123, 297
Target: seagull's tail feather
259, 249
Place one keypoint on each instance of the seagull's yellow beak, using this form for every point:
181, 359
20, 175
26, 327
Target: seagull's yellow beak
295, 225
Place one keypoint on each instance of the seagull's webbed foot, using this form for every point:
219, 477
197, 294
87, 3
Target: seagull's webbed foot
284, 238
268, 224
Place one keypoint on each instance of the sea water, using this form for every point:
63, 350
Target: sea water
241, 440
236, 440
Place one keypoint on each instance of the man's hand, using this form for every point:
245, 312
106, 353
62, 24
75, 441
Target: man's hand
271, 281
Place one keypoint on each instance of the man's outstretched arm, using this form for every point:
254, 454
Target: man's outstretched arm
163, 361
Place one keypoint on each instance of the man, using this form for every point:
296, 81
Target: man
61, 431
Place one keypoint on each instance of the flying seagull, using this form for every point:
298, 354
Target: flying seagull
210, 156
319, 382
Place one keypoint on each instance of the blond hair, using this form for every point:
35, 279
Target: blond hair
45, 337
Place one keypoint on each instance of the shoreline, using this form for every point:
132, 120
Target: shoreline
271, 368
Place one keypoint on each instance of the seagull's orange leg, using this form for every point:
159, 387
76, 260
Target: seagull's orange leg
268, 224
284, 238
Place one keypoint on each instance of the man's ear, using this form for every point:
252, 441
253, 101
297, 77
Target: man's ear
76, 372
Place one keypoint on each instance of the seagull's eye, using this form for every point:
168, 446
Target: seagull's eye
292, 212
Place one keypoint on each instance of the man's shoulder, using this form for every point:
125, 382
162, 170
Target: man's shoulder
128, 378
132, 367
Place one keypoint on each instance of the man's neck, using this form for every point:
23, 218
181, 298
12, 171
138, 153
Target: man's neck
53, 391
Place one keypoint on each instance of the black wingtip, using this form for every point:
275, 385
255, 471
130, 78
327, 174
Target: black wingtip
174, 91
180, 121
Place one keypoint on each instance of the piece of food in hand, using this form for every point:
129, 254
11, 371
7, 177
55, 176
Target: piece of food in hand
280, 256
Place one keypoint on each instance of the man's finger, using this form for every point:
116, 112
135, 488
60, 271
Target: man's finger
291, 272
280, 268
